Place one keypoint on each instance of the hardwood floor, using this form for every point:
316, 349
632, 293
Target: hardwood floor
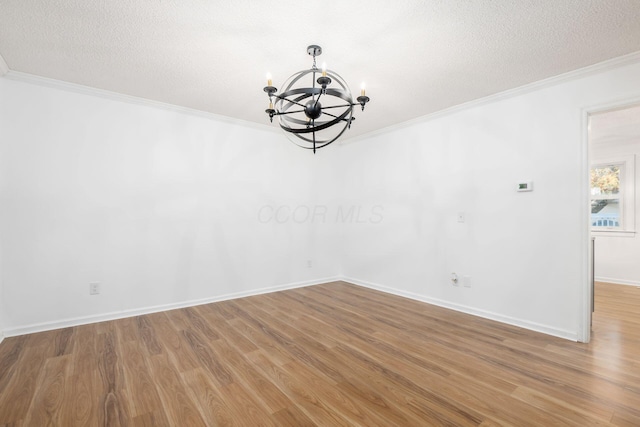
333, 354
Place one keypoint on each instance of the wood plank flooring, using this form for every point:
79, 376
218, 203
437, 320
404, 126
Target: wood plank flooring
327, 355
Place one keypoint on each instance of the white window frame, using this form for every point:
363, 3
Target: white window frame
627, 196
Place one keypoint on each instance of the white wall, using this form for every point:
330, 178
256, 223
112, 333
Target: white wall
160, 207
1, 301
3, 70
522, 251
2, 187
164, 208
617, 259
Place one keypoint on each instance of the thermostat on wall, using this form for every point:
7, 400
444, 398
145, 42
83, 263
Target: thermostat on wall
525, 186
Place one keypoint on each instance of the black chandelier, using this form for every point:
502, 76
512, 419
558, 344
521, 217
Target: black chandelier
309, 114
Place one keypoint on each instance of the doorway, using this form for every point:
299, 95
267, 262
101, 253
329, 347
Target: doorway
613, 152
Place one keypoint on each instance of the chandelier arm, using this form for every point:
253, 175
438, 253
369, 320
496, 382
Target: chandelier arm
284, 98
332, 115
317, 100
306, 94
282, 113
339, 106
337, 119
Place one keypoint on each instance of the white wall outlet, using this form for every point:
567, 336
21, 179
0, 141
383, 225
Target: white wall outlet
466, 281
454, 279
94, 288
461, 217
309, 263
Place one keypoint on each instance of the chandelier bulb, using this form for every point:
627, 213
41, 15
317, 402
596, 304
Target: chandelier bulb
324, 69
269, 81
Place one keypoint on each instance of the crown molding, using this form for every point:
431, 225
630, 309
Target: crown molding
115, 96
600, 67
4, 68
629, 59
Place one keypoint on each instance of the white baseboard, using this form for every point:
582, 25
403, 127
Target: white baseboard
64, 323
545, 329
76, 321
617, 281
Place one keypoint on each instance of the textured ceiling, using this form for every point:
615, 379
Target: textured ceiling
416, 56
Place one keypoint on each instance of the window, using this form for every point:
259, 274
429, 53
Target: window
612, 195
606, 196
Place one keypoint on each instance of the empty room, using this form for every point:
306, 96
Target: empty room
411, 213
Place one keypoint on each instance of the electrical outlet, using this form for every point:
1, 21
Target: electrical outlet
461, 217
94, 288
309, 263
454, 279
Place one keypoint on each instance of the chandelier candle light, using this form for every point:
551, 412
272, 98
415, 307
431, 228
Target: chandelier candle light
313, 116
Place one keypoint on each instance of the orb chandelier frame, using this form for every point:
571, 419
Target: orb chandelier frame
308, 122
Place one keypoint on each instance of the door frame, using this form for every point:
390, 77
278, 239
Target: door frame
586, 299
